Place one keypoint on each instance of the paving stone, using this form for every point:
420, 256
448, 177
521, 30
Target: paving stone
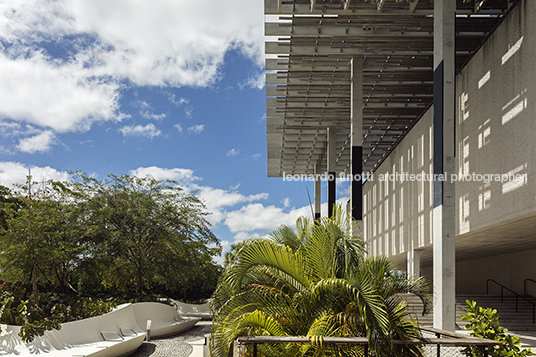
174, 346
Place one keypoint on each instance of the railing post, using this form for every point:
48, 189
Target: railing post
485, 351
366, 350
236, 350
438, 335
254, 350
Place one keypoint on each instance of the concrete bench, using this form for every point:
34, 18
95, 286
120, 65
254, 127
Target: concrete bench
193, 310
165, 319
115, 334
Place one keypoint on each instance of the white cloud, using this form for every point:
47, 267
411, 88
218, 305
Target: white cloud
188, 110
63, 97
184, 176
143, 40
15, 172
166, 43
196, 129
14, 129
146, 110
235, 187
251, 218
217, 200
148, 131
178, 127
233, 152
40, 142
241, 236
148, 115
256, 216
257, 81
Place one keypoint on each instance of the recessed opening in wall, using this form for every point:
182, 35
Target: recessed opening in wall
512, 50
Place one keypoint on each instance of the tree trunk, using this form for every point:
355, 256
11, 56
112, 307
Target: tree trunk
140, 280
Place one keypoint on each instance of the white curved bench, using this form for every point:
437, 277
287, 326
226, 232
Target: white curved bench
193, 310
115, 334
165, 319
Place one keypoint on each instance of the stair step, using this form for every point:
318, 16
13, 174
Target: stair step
508, 317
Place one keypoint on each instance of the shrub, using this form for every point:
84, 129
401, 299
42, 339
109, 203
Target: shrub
484, 323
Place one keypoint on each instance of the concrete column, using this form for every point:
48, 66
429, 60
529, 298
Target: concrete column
318, 193
414, 263
332, 151
356, 130
444, 151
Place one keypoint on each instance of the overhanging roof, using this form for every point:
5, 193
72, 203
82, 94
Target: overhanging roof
308, 80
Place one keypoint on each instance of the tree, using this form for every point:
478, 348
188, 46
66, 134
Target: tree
41, 235
141, 226
314, 282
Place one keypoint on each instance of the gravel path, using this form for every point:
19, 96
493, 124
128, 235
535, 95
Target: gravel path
174, 346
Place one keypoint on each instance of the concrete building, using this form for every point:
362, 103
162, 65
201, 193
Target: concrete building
495, 135
436, 99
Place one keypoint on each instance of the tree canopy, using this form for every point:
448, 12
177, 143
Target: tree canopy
121, 234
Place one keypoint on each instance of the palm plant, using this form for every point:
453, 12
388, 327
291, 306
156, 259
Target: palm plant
314, 282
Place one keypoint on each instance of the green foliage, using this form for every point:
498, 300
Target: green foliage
484, 323
141, 226
108, 237
124, 237
313, 282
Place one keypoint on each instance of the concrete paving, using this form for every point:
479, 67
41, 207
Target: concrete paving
186, 344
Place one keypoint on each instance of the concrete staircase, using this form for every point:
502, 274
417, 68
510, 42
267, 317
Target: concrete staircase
508, 317
518, 323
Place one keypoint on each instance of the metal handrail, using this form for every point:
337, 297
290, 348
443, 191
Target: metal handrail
516, 295
451, 340
525, 285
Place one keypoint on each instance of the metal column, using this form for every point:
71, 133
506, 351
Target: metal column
318, 193
332, 144
356, 130
444, 151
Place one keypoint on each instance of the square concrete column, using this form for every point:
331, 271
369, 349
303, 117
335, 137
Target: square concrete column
444, 165
414, 263
332, 150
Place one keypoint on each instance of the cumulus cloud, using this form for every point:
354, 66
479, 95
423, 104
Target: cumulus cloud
63, 97
101, 44
256, 216
148, 131
184, 176
233, 152
217, 200
143, 41
196, 129
178, 127
40, 142
15, 172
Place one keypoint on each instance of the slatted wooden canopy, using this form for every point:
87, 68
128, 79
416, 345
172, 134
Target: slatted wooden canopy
308, 79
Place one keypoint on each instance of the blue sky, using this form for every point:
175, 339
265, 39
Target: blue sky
170, 88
